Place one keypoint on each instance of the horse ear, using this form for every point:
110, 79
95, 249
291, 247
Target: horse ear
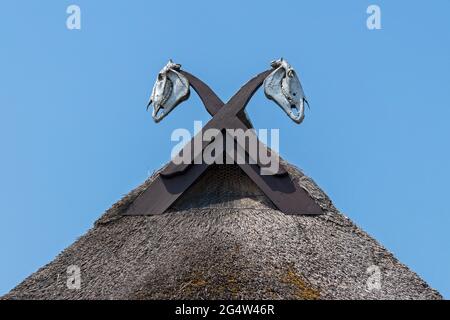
276, 63
173, 65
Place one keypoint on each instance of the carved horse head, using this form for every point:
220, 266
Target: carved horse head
284, 88
170, 89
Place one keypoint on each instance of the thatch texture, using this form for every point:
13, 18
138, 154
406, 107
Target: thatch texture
224, 239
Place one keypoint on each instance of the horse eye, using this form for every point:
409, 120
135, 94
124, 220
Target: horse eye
160, 76
291, 73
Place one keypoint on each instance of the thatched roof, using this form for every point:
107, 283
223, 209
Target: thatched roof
224, 239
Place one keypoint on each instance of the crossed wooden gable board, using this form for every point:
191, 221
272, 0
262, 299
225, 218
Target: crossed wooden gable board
175, 179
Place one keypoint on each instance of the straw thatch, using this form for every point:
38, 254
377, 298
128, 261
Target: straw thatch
224, 239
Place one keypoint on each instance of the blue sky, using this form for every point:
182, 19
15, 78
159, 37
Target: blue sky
75, 136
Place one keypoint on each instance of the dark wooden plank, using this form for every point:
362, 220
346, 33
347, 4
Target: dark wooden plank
163, 192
